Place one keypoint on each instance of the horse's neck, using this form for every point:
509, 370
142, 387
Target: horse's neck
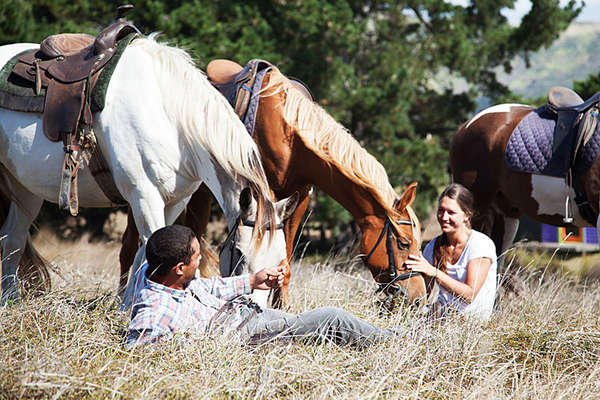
355, 198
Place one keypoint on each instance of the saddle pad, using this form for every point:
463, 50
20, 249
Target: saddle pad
529, 148
250, 117
12, 86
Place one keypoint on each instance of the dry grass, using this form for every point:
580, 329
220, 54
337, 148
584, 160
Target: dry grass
67, 344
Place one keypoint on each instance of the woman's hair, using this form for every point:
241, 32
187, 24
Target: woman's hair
464, 198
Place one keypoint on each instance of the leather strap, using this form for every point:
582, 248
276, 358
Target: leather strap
100, 171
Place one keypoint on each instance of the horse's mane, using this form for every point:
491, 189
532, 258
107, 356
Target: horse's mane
203, 115
332, 142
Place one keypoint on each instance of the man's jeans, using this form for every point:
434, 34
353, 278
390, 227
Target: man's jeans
327, 323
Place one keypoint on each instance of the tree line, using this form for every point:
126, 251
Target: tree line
382, 69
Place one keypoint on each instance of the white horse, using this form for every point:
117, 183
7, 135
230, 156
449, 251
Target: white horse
239, 255
163, 131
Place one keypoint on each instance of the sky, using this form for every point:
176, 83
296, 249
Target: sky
590, 13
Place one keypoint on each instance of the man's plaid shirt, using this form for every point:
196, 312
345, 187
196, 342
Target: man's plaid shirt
160, 312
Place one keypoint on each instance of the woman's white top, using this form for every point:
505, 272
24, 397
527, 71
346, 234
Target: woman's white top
478, 246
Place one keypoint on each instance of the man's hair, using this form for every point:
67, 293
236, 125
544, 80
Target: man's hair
168, 247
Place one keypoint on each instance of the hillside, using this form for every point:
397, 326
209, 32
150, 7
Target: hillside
574, 56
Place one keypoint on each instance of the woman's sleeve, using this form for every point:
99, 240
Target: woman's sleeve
483, 248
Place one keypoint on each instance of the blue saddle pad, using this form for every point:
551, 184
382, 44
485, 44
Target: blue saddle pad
529, 148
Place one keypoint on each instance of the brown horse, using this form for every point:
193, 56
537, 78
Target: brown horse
301, 145
502, 195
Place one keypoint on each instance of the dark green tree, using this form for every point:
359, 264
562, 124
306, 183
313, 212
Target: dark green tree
586, 88
385, 70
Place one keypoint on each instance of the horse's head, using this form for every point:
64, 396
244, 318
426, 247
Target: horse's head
241, 254
387, 242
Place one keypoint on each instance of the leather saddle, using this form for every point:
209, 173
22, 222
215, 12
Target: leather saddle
576, 123
235, 82
68, 65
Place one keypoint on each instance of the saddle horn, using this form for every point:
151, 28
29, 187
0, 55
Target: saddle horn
121, 11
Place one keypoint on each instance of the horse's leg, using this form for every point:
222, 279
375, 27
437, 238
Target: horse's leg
511, 225
129, 247
281, 297
148, 212
197, 215
198, 210
33, 269
15, 231
507, 279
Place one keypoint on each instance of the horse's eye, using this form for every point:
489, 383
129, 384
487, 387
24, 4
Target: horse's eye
402, 244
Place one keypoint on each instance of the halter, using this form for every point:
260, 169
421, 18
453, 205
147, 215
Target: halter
236, 257
392, 269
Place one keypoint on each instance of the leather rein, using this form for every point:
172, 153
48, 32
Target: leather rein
236, 256
392, 269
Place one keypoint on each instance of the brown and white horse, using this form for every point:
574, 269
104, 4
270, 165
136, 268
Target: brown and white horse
502, 195
301, 145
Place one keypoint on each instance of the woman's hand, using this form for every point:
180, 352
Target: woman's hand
420, 264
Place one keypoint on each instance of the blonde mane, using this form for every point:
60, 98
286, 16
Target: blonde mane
203, 116
332, 142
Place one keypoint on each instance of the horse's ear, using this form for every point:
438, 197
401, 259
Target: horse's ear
245, 200
284, 208
408, 197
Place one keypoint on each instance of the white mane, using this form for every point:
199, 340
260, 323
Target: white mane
202, 114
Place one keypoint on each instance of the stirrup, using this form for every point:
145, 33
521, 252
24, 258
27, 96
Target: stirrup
568, 218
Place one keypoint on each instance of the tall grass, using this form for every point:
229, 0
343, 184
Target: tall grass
68, 344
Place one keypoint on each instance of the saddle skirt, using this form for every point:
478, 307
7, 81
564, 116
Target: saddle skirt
530, 147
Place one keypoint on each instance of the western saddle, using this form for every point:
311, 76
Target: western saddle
68, 66
236, 82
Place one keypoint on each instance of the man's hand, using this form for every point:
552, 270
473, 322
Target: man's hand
267, 278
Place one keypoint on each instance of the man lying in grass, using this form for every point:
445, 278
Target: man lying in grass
174, 301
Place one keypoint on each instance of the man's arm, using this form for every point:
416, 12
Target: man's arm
230, 287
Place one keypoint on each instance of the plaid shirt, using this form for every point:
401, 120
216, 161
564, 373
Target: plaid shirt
160, 312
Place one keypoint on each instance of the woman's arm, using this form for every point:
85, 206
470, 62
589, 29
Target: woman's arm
477, 270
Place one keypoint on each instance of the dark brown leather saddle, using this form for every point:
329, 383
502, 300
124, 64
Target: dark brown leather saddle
236, 82
67, 66
576, 123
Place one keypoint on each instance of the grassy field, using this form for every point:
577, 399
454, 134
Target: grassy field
68, 344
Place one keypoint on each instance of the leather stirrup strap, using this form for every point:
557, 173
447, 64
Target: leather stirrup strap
68, 198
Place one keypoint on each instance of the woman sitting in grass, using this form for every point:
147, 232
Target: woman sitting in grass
461, 260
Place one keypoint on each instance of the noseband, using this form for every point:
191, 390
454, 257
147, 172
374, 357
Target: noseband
235, 255
392, 269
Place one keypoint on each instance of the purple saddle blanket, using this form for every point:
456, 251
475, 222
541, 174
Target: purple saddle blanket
529, 148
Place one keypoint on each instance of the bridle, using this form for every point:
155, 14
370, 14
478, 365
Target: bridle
236, 257
392, 269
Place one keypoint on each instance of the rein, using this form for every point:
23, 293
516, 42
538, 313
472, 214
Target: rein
392, 269
235, 255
